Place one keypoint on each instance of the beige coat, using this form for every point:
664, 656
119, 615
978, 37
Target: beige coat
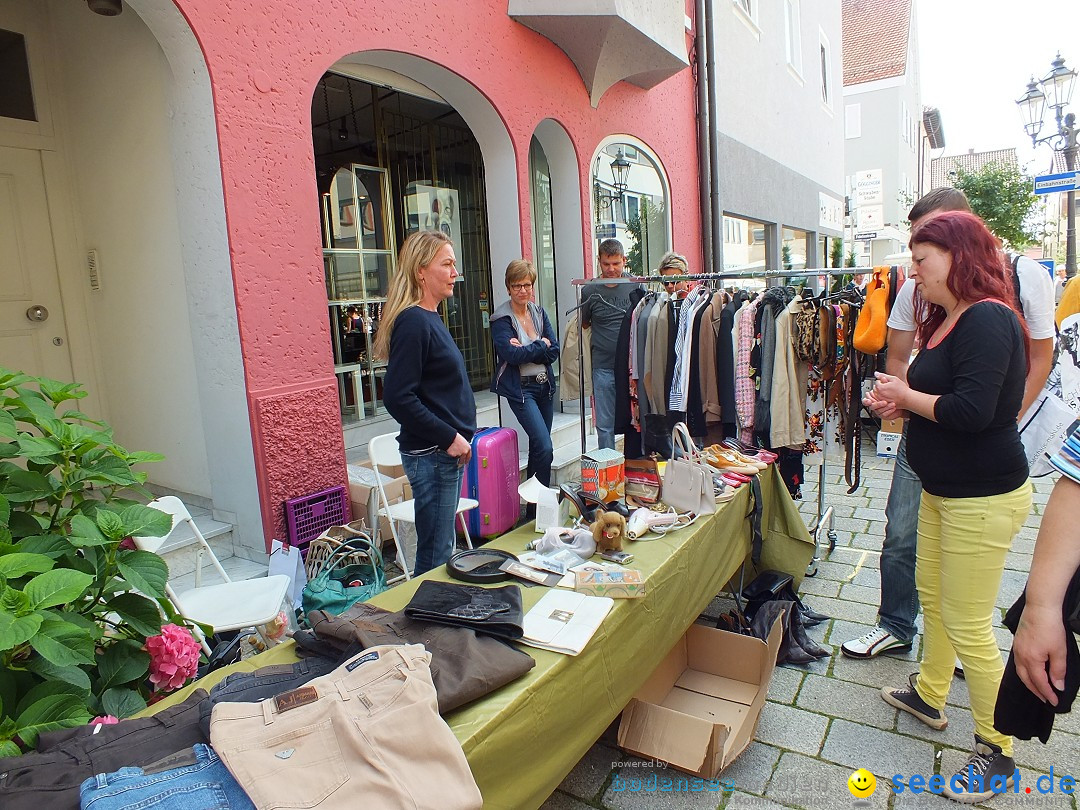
568, 366
788, 392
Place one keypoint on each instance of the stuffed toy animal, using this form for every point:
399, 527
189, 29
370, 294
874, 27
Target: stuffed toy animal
608, 530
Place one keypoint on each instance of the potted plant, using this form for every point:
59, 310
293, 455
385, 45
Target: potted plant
85, 628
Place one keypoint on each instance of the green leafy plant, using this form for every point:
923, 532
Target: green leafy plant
76, 602
836, 256
1003, 196
647, 237
785, 256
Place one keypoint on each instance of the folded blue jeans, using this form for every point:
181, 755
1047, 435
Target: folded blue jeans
205, 784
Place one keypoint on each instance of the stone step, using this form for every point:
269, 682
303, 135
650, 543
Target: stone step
236, 567
179, 551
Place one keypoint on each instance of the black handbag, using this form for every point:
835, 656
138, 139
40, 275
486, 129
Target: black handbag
769, 586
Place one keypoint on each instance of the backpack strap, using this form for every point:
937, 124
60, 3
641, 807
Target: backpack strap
1016, 282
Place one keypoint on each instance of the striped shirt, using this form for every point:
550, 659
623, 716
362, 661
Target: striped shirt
1067, 461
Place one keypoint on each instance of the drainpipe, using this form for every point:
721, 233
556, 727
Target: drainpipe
716, 212
704, 138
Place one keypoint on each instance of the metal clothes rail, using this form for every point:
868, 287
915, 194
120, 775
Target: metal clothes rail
823, 522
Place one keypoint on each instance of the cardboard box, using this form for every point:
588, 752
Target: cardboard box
603, 474
699, 710
364, 495
892, 425
887, 443
624, 584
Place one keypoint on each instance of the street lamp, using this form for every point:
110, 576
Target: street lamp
1056, 89
620, 174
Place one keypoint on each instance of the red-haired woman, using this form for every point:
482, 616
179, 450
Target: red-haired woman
963, 393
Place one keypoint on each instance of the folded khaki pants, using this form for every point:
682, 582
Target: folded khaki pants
368, 734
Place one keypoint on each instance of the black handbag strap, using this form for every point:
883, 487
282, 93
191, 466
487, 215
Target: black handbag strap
754, 516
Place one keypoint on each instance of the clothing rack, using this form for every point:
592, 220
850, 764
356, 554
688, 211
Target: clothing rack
823, 522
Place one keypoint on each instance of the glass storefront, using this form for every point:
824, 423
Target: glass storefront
389, 163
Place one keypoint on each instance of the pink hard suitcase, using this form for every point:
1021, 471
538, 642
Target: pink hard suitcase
492, 477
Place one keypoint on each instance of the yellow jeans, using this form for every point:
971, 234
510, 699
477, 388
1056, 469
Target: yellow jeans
959, 560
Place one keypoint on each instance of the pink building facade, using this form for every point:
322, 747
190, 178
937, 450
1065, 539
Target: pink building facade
178, 142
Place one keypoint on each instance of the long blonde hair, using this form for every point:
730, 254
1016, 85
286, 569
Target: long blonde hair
418, 250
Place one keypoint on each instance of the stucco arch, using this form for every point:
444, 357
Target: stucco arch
566, 210
222, 411
649, 152
488, 127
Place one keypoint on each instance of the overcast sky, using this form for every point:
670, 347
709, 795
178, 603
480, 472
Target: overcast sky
977, 57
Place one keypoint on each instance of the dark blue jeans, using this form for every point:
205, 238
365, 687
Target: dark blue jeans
535, 414
435, 478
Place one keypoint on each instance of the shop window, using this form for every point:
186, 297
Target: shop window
744, 243
389, 163
16, 92
359, 259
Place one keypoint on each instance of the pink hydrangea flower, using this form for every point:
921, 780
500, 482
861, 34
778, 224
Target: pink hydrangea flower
104, 720
174, 657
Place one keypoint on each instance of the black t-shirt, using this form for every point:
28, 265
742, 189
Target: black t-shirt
426, 388
978, 369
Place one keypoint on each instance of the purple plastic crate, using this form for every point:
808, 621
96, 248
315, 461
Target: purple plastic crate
308, 517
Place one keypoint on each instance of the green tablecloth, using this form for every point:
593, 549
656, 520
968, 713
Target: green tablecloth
522, 740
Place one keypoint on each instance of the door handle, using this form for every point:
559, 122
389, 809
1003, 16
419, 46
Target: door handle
37, 313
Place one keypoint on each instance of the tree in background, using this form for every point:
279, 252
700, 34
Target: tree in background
836, 255
850, 257
1004, 197
785, 256
647, 234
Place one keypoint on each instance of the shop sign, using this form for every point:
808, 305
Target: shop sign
868, 187
830, 212
871, 217
605, 230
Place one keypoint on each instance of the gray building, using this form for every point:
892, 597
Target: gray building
882, 123
780, 125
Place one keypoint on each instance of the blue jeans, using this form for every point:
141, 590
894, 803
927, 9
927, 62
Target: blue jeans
603, 391
207, 783
535, 414
899, 597
435, 478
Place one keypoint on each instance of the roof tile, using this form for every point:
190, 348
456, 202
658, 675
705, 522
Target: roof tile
875, 39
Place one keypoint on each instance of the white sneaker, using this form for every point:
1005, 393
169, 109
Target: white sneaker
875, 642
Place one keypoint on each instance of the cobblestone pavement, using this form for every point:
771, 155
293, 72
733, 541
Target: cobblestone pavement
823, 720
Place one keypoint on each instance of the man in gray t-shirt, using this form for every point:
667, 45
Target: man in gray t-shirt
603, 308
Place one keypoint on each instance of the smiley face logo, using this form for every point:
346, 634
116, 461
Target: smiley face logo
861, 783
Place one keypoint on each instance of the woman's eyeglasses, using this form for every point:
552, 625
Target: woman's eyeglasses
521, 287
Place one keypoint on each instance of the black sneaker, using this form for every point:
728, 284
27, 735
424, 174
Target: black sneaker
976, 776
908, 700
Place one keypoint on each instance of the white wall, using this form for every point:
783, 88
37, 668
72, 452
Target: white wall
763, 103
117, 129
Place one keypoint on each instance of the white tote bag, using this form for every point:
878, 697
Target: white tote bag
1043, 430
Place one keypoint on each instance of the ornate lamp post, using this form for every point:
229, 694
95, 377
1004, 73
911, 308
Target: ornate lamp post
1056, 88
620, 173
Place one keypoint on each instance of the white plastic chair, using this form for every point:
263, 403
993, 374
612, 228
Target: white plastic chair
230, 605
383, 452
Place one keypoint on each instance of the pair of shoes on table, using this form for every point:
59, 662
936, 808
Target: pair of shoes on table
726, 460
760, 453
875, 642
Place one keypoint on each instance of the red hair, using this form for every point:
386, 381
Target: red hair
979, 270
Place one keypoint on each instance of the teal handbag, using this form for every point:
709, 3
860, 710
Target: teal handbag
342, 582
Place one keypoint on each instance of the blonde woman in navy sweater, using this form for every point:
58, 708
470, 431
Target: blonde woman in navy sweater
426, 389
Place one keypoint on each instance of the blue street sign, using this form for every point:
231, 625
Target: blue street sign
605, 230
1053, 183
1048, 264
